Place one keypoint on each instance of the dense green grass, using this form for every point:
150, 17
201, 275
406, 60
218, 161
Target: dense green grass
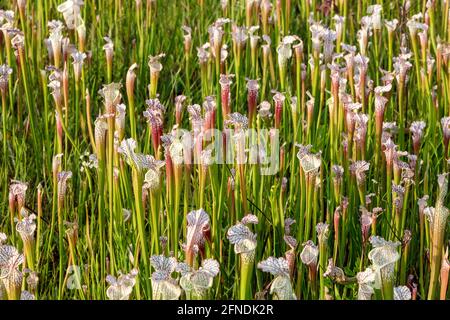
354, 183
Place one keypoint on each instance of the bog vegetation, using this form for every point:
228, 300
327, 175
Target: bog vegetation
136, 137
